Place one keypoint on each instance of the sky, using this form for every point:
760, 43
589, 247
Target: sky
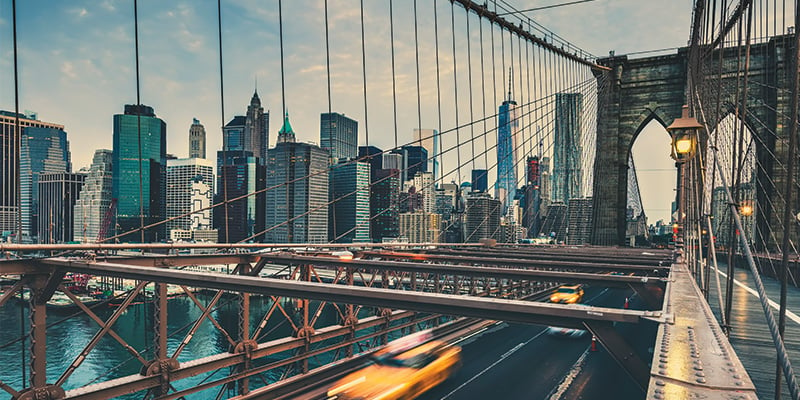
77, 66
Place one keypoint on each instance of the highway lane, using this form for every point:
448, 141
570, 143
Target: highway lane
515, 361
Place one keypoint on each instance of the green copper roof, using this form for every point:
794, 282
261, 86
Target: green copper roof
287, 127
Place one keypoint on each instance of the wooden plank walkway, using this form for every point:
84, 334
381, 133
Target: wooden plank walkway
750, 336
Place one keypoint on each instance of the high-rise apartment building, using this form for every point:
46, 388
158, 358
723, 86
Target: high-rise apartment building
567, 148
197, 140
42, 151
338, 135
348, 214
507, 143
190, 187
139, 172
92, 212
483, 217
58, 193
298, 196
10, 199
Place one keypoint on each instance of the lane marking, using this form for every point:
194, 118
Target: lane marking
794, 317
503, 357
567, 382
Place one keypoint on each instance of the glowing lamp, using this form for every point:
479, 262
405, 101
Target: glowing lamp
683, 133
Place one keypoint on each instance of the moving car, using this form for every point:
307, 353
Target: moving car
565, 332
404, 369
567, 294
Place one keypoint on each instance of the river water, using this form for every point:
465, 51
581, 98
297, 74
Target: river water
72, 330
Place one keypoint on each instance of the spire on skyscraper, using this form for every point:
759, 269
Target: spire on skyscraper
510, 78
286, 134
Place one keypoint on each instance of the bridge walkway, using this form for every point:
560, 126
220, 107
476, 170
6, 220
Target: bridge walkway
749, 335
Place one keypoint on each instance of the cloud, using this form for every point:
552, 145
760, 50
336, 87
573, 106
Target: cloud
68, 70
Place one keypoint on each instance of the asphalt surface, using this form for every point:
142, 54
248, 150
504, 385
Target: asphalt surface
515, 361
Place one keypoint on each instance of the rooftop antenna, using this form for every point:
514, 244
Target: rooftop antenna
510, 77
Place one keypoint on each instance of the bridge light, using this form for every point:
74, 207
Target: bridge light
746, 209
684, 132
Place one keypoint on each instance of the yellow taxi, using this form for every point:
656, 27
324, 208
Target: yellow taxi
567, 294
404, 369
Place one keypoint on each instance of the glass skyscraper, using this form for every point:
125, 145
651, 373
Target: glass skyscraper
58, 193
567, 148
42, 151
349, 210
139, 165
339, 135
507, 141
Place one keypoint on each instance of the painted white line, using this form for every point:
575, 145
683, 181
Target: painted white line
792, 316
573, 372
503, 357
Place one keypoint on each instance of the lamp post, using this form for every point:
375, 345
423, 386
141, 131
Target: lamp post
683, 133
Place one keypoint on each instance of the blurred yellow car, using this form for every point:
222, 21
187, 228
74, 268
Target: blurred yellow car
399, 371
567, 294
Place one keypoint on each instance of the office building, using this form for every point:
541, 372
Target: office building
93, 212
298, 196
384, 204
371, 155
240, 173
139, 184
567, 149
338, 135
482, 217
579, 221
507, 143
429, 139
555, 222
58, 193
10, 200
393, 161
420, 227
190, 187
349, 210
480, 180
531, 200
256, 129
42, 151
197, 140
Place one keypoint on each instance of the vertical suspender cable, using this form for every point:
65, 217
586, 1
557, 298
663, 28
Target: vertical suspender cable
222, 120
328, 60
394, 79
438, 82
416, 58
483, 97
138, 117
283, 72
469, 73
455, 89
17, 137
364, 73
787, 212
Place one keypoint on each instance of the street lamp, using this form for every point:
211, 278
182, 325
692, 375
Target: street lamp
683, 133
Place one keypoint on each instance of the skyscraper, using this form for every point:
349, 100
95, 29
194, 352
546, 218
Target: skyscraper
483, 217
139, 172
567, 149
42, 151
414, 159
58, 193
507, 142
480, 180
256, 129
94, 200
197, 140
429, 139
339, 135
298, 196
240, 173
384, 204
190, 187
9, 198
348, 216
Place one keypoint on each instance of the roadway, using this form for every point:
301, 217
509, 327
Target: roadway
518, 361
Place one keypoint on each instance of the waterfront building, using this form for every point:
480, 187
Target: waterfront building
10, 200
197, 140
339, 136
139, 173
240, 173
567, 148
190, 187
93, 212
349, 211
298, 196
58, 193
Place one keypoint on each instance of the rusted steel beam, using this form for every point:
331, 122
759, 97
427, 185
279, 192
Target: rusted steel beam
574, 255
59, 247
466, 270
520, 262
13, 290
180, 260
21, 267
38, 332
499, 309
